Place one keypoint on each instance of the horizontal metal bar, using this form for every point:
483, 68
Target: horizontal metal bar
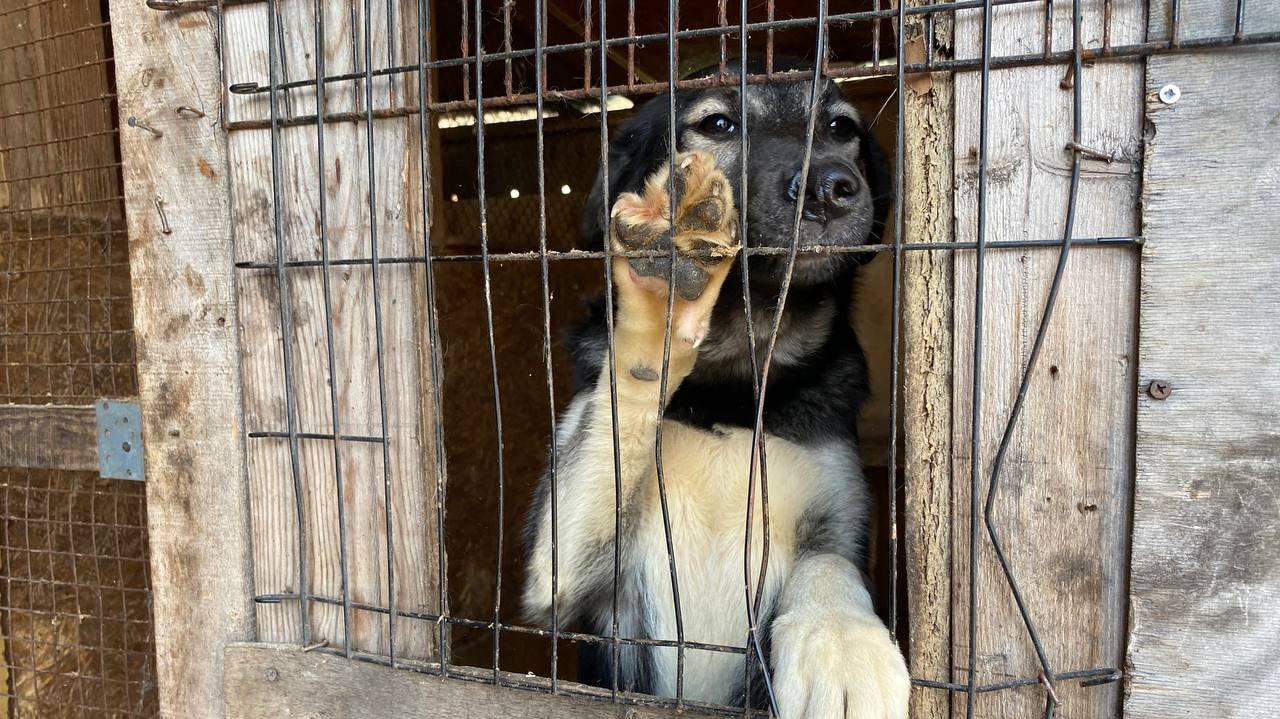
250, 88
1119, 52
1090, 677
570, 255
488, 625
317, 435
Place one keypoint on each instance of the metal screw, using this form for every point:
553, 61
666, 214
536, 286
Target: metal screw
272, 674
1170, 94
1159, 389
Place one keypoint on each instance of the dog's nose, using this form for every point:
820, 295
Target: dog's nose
831, 192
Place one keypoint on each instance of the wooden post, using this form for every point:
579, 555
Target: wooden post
184, 304
1206, 576
1063, 504
926, 367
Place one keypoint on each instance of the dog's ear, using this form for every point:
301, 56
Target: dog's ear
638, 151
876, 171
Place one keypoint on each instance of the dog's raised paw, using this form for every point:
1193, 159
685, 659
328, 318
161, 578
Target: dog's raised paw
704, 235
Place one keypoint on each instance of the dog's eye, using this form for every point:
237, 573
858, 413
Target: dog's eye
718, 125
842, 128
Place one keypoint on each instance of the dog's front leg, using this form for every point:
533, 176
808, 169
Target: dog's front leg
705, 241
832, 656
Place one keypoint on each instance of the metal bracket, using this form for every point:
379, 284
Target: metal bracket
119, 439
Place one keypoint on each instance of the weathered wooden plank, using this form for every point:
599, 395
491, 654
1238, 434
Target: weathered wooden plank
1206, 577
187, 345
1063, 503
287, 207
279, 681
49, 437
926, 329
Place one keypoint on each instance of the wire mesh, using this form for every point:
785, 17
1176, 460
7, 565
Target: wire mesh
76, 599
517, 102
65, 314
75, 602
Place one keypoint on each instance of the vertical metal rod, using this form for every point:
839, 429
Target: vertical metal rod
757, 432
616, 646
220, 17
673, 20
1175, 23
377, 329
1047, 38
392, 36
975, 424
322, 209
895, 335
1106, 26
493, 348
433, 327
465, 48
1016, 411
506, 45
539, 59
586, 50
1239, 34
723, 16
284, 63
286, 327
875, 38
356, 19
929, 29
631, 46
768, 42
752, 602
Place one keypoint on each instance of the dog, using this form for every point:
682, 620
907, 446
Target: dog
829, 654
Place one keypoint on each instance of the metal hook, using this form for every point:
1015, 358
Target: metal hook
164, 220
135, 122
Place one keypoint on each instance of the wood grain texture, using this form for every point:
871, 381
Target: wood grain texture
1206, 577
188, 356
926, 330
275, 681
1063, 503
346, 317
49, 437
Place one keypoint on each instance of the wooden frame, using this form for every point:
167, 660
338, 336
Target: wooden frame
50, 436
273, 680
188, 350
1205, 576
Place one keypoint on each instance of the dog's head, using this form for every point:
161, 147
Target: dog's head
845, 199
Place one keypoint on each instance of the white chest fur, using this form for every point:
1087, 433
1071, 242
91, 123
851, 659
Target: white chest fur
706, 476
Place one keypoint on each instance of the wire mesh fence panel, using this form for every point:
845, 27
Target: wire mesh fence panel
75, 605
412, 183
65, 334
76, 601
